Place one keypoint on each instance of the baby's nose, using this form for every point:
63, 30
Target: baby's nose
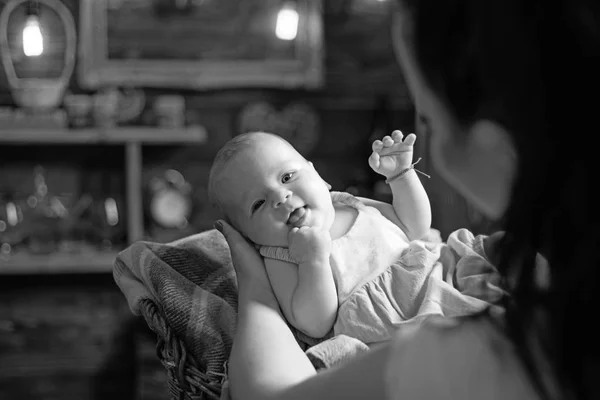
281, 197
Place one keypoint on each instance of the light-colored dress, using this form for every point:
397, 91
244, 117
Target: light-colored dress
384, 281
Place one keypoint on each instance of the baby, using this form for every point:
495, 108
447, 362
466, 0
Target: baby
332, 258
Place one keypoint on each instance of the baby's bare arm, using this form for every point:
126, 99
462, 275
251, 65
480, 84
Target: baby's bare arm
306, 294
392, 157
411, 204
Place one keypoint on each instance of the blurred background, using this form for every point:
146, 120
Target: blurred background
110, 114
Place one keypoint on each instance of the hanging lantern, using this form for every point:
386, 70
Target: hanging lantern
38, 50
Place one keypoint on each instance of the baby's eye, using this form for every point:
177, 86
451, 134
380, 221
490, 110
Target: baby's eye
286, 177
257, 205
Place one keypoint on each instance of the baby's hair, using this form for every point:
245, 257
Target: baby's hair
225, 154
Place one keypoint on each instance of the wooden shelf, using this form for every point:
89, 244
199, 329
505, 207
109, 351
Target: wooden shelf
117, 135
133, 138
57, 263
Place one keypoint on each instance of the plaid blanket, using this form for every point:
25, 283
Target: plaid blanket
193, 283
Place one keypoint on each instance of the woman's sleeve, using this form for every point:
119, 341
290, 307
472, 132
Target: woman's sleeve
454, 359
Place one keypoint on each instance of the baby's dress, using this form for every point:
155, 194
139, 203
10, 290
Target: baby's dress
383, 280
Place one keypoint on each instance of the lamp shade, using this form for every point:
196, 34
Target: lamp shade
38, 80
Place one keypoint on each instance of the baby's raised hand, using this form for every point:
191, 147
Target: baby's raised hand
309, 244
391, 154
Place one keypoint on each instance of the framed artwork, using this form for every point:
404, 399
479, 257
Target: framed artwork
199, 44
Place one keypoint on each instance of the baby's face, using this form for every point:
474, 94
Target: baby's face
269, 188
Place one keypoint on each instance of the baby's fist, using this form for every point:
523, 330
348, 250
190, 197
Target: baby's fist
392, 154
309, 244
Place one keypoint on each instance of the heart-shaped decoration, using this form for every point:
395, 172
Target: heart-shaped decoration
298, 123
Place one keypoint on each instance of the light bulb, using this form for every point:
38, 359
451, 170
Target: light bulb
287, 22
12, 215
112, 212
33, 42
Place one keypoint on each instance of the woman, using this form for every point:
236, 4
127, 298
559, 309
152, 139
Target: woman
504, 84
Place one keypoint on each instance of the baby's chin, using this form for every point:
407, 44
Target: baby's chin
271, 241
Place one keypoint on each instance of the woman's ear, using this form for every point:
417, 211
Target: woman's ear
488, 166
493, 140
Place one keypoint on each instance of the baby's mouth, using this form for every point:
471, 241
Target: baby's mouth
296, 216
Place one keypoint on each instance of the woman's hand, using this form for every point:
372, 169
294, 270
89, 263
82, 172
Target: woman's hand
247, 262
265, 357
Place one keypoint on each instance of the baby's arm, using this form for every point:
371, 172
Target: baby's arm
411, 210
419, 228
392, 158
306, 294
411, 204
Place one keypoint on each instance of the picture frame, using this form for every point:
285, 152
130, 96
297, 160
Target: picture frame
301, 68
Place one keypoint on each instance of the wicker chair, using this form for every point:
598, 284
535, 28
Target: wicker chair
186, 379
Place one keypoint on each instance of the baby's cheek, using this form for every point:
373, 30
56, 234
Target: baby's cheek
267, 233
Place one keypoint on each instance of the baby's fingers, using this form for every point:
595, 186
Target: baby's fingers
387, 141
377, 146
293, 232
374, 160
410, 139
397, 136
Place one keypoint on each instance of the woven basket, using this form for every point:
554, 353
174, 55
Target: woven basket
186, 379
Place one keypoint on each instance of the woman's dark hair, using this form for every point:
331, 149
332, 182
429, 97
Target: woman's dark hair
533, 67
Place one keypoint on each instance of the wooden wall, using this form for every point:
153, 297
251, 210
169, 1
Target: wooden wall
360, 69
73, 337
66, 337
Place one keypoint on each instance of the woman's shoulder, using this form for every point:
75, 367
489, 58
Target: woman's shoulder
466, 358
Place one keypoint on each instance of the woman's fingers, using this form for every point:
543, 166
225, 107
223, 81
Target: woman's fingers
244, 256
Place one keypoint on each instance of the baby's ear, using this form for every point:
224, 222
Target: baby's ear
312, 166
326, 184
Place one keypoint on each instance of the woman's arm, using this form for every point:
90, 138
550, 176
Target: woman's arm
266, 363
306, 294
265, 357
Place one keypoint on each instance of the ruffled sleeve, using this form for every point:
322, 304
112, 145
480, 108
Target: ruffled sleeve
276, 253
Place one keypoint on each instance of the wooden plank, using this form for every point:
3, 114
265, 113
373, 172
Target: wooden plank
135, 206
44, 363
119, 135
65, 338
57, 263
